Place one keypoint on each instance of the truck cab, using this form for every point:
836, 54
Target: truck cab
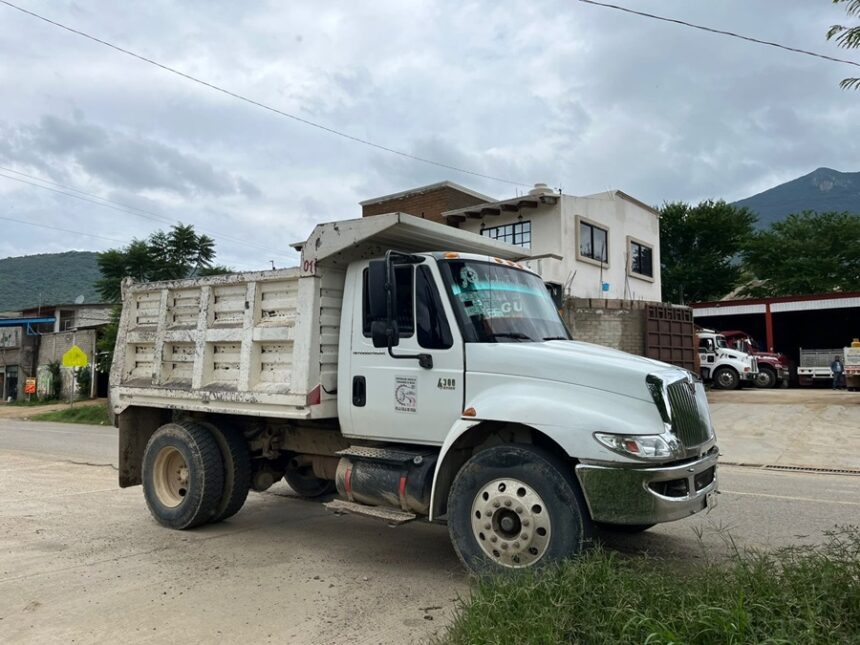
774, 368
725, 368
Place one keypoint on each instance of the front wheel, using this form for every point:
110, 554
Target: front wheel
766, 377
726, 378
516, 506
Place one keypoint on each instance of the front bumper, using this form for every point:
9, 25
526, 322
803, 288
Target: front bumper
648, 495
749, 376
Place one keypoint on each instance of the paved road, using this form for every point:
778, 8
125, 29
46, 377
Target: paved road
82, 560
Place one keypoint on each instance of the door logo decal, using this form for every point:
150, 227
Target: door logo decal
405, 394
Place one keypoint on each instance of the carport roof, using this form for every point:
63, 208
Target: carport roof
777, 304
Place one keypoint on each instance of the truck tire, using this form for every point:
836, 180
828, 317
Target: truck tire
726, 378
623, 528
237, 470
516, 506
306, 484
766, 377
183, 475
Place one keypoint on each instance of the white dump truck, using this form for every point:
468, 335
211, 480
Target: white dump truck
725, 368
405, 370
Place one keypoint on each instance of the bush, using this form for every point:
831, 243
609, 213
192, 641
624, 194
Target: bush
799, 595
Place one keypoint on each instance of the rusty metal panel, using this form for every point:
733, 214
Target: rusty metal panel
670, 336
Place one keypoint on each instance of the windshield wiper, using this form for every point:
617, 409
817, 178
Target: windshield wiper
516, 335
556, 338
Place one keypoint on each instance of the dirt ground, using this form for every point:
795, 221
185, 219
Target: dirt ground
814, 428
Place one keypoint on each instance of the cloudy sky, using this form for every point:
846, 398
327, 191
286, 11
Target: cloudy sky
581, 97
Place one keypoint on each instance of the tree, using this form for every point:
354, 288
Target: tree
178, 253
699, 249
847, 37
806, 253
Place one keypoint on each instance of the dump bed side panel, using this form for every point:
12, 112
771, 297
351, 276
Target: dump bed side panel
237, 344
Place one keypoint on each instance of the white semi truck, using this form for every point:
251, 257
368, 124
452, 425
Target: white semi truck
725, 368
410, 370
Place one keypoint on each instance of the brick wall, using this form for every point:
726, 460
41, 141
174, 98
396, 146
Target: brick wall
53, 346
619, 324
428, 204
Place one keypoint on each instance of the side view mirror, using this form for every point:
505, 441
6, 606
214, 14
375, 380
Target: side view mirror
378, 275
383, 334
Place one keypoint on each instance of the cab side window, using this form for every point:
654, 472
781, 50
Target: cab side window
405, 277
433, 329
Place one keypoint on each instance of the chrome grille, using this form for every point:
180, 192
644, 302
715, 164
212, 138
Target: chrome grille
690, 421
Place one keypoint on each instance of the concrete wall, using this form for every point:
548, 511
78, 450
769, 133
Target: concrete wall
53, 346
612, 323
555, 230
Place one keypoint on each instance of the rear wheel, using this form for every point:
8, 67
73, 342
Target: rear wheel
237, 470
516, 506
726, 378
183, 475
305, 483
766, 377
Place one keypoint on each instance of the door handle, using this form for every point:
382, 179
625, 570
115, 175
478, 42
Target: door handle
359, 391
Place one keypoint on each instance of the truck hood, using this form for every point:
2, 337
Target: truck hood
566, 361
733, 353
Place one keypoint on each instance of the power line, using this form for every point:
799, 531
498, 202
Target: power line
132, 210
64, 230
258, 104
721, 32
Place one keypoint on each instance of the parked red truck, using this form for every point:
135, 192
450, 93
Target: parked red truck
774, 368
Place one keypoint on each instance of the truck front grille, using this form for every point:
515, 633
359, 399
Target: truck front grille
690, 422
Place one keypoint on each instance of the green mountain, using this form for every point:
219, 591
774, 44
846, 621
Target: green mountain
50, 278
821, 190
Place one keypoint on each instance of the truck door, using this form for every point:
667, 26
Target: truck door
707, 356
397, 399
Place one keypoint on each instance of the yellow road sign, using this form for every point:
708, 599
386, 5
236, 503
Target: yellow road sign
75, 357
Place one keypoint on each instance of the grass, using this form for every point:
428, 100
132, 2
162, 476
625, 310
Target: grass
24, 403
799, 595
80, 413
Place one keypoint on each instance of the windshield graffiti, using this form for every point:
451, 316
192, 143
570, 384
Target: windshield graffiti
501, 303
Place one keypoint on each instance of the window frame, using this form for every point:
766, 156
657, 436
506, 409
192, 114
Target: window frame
580, 220
514, 233
633, 274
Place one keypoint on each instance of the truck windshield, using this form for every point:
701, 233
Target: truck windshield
500, 303
721, 342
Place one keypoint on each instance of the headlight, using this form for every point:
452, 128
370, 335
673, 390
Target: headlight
653, 446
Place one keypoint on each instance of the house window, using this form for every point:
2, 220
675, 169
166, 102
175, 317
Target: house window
593, 242
641, 259
518, 233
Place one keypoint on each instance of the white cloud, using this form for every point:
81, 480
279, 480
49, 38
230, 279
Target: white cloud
549, 90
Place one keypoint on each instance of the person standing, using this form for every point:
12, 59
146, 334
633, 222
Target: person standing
838, 371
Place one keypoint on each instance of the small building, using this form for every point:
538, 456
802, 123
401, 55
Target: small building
32, 339
599, 255
428, 202
605, 245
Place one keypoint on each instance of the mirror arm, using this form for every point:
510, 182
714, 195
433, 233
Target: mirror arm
424, 360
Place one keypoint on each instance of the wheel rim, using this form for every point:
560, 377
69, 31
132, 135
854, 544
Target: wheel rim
170, 476
726, 379
763, 379
511, 523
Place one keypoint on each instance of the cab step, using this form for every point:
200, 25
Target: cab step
390, 515
395, 455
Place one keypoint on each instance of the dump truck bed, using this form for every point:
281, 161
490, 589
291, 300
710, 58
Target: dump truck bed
261, 343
